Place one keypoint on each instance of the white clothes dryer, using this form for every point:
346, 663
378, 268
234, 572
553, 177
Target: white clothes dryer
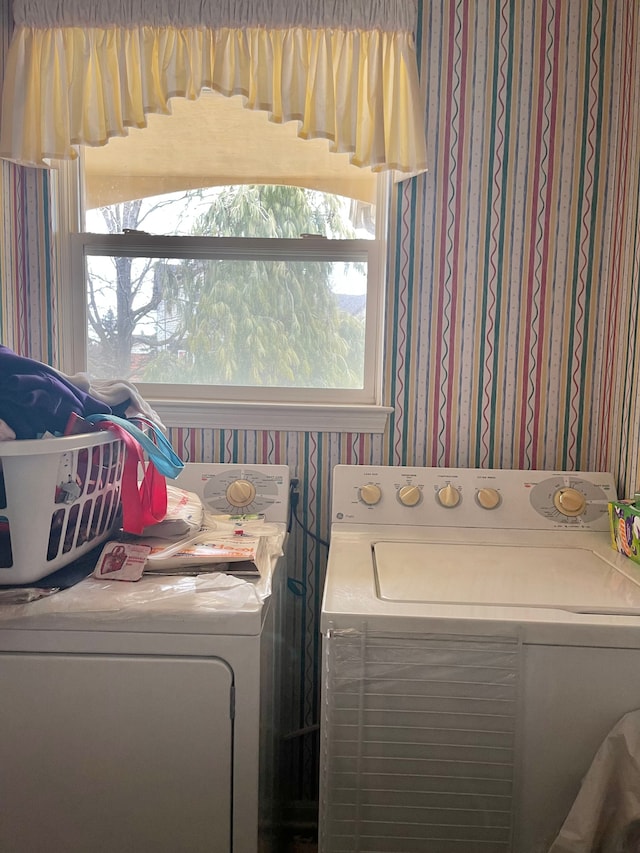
142, 717
481, 637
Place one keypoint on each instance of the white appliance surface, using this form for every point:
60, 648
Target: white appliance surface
395, 563
142, 716
575, 579
424, 562
237, 489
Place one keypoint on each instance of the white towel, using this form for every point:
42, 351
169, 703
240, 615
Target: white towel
114, 392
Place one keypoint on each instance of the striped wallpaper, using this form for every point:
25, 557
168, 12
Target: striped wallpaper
512, 323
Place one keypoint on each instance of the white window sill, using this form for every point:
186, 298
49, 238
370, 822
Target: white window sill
285, 417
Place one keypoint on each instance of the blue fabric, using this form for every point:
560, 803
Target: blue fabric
159, 451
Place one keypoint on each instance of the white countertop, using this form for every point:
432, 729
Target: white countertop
209, 603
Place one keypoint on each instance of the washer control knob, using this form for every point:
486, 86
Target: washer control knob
488, 498
449, 496
569, 502
409, 495
241, 493
370, 494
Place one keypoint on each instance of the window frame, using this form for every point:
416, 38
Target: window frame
334, 410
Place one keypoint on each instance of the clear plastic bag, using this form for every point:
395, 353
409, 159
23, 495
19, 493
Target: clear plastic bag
183, 518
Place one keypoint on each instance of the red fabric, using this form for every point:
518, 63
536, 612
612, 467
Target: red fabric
144, 502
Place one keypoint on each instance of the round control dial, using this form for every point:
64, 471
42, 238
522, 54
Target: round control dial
569, 502
241, 493
370, 494
409, 495
449, 496
488, 498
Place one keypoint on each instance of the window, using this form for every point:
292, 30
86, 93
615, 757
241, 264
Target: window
231, 285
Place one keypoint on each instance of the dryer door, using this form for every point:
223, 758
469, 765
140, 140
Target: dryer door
108, 753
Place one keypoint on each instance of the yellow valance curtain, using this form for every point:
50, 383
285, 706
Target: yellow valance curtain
79, 73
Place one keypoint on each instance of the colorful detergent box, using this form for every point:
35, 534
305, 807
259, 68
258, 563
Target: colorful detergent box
625, 527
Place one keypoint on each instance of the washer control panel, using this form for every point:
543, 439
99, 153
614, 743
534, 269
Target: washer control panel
471, 497
230, 489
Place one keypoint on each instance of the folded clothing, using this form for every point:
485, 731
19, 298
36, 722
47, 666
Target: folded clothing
123, 397
35, 398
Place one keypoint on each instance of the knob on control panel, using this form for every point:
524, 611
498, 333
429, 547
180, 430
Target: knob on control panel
488, 498
569, 502
449, 496
409, 495
370, 494
241, 493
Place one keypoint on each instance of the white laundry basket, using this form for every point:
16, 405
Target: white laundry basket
59, 498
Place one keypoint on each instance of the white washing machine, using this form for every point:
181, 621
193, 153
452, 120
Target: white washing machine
142, 717
481, 637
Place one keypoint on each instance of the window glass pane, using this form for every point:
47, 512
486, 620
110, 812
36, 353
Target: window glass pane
276, 211
287, 323
292, 318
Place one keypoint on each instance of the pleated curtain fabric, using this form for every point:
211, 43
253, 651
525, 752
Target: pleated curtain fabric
81, 72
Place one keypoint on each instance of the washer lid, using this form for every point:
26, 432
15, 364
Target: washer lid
575, 579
